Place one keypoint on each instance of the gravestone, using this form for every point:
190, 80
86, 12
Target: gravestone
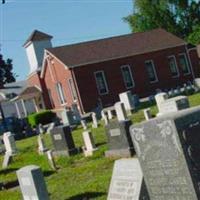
126, 99
6, 160
62, 140
84, 124
159, 98
173, 105
110, 115
197, 83
40, 129
94, 120
41, 145
147, 114
127, 181
32, 183
168, 150
120, 111
51, 159
9, 142
50, 127
119, 140
104, 117
90, 146
68, 117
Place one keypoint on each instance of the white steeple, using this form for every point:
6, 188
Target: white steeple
35, 45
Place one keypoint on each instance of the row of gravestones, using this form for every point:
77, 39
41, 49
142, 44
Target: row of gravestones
127, 181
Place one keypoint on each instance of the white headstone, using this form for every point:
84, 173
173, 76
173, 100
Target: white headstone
127, 181
6, 160
104, 117
84, 124
51, 159
160, 98
9, 142
41, 145
110, 115
89, 143
147, 114
94, 120
126, 99
32, 183
50, 127
120, 111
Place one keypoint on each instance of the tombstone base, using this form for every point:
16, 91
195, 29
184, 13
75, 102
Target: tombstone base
66, 152
88, 152
120, 153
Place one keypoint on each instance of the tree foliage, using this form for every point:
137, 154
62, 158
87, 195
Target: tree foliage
6, 74
181, 17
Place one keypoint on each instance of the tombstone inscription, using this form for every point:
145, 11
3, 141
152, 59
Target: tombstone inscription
168, 151
127, 181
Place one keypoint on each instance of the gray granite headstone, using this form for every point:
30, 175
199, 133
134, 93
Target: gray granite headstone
127, 181
168, 150
32, 183
119, 140
63, 141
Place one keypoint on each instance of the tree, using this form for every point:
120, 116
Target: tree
6, 74
180, 17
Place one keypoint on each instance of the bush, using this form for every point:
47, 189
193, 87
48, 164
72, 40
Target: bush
43, 117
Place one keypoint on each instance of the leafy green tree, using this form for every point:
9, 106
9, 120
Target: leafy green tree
6, 74
180, 17
194, 37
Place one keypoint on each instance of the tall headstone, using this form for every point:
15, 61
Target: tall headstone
84, 124
104, 117
51, 159
127, 181
63, 141
168, 150
110, 115
126, 99
120, 111
41, 145
9, 142
6, 160
89, 143
159, 98
50, 127
94, 120
32, 183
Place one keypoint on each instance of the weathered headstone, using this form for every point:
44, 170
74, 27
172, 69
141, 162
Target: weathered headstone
51, 159
120, 111
6, 160
32, 183
119, 140
173, 105
90, 146
147, 114
159, 98
127, 181
9, 142
126, 99
41, 145
94, 120
63, 141
168, 150
84, 124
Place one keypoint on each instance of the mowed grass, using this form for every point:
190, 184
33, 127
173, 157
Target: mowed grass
78, 177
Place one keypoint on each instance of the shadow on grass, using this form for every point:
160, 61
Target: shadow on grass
48, 173
100, 144
7, 171
86, 196
10, 185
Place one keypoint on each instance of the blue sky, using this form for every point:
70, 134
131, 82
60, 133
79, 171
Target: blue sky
68, 21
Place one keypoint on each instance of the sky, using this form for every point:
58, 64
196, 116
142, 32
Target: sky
68, 21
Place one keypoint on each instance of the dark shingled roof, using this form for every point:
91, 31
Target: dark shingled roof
115, 47
37, 36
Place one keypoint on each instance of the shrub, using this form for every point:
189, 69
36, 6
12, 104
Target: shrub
43, 117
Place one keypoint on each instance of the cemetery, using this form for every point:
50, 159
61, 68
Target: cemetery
149, 152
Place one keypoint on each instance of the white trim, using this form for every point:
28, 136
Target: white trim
188, 55
70, 88
187, 64
104, 79
60, 93
130, 72
177, 69
154, 70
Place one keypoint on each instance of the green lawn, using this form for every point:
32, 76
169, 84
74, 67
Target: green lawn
77, 176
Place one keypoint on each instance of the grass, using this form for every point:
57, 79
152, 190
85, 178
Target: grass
78, 177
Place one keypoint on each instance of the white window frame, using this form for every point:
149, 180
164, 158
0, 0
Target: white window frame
60, 93
188, 67
129, 69
71, 89
177, 69
104, 79
154, 70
